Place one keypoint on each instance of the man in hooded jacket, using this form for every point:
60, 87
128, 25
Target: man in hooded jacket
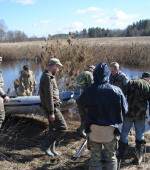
105, 105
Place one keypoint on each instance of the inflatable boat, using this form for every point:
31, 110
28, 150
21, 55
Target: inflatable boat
31, 104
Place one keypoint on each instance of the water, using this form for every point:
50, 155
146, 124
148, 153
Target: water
11, 69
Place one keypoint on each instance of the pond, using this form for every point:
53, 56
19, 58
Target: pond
10, 71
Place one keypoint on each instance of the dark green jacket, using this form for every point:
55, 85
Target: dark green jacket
119, 80
138, 95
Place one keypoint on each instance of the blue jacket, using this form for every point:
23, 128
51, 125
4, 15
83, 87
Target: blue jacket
104, 102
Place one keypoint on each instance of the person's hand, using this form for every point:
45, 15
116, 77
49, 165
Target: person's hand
6, 99
52, 118
149, 122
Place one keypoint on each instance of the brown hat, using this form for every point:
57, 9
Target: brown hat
55, 61
146, 75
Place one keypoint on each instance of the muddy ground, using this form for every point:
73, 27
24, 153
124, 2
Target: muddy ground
22, 136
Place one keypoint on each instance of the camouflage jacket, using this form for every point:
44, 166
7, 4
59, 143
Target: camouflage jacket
85, 80
49, 93
120, 79
1, 85
138, 95
26, 82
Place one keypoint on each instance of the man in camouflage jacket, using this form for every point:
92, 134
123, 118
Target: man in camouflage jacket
27, 82
138, 95
84, 80
117, 78
3, 97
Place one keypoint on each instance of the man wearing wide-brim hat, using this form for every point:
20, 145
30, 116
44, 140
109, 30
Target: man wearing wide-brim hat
138, 95
50, 101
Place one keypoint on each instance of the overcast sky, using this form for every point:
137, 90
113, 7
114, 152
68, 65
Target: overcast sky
43, 17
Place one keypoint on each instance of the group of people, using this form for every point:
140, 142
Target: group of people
108, 103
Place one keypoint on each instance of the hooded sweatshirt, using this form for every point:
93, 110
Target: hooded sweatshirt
105, 103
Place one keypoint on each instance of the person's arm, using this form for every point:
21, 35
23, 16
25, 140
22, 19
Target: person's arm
124, 104
125, 80
21, 83
34, 83
90, 80
3, 95
48, 91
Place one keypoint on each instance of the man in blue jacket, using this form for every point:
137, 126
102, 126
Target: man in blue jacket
105, 105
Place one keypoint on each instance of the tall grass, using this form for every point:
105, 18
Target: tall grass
76, 54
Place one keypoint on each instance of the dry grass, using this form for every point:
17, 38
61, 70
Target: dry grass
77, 54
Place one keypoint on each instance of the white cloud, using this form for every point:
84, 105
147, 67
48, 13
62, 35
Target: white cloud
117, 19
45, 21
75, 26
121, 15
90, 9
24, 2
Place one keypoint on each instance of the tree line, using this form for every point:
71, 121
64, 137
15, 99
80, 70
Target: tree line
140, 28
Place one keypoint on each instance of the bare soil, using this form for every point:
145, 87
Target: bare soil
21, 138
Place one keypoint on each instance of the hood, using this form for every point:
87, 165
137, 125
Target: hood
101, 74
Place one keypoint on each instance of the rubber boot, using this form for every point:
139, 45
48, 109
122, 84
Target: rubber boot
95, 167
81, 130
49, 152
111, 166
1, 121
53, 146
122, 150
46, 145
139, 151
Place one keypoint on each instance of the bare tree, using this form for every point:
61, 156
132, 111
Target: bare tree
2, 30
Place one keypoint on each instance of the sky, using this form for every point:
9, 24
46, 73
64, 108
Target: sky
43, 17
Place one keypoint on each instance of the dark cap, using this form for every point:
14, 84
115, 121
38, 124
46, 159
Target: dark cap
146, 75
26, 67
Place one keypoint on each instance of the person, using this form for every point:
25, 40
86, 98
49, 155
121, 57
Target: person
84, 80
105, 105
117, 78
138, 95
3, 97
27, 82
49, 95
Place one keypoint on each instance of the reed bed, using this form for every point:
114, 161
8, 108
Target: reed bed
77, 54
